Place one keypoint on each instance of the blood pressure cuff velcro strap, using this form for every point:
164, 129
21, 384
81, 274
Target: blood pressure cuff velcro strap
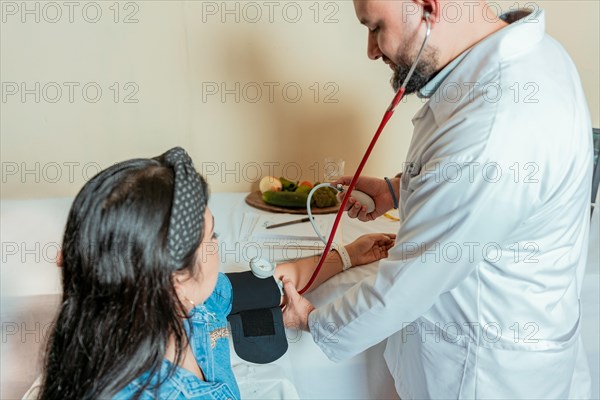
256, 320
252, 293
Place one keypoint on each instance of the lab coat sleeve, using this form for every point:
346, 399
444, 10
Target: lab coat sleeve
454, 209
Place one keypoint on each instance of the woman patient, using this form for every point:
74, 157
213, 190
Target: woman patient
144, 306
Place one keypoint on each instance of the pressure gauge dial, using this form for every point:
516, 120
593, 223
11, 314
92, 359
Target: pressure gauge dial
262, 268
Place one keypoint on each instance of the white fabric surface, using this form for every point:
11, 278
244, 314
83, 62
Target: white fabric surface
267, 381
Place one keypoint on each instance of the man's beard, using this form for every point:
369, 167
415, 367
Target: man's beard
425, 70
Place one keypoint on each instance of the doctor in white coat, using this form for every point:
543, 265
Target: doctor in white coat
480, 296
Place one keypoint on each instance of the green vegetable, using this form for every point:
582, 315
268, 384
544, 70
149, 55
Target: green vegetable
288, 186
303, 189
285, 199
324, 197
294, 196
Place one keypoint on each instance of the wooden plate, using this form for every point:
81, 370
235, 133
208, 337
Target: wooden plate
255, 200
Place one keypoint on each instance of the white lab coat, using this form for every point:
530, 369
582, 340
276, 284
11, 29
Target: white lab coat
480, 296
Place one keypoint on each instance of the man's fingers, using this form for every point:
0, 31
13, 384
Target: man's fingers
358, 210
295, 313
363, 215
349, 203
289, 289
354, 208
344, 180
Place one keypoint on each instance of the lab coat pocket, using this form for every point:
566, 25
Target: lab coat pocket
525, 374
411, 171
430, 363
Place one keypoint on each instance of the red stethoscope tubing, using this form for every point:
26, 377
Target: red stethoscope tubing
386, 117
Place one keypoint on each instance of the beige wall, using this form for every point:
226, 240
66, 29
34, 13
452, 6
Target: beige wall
172, 59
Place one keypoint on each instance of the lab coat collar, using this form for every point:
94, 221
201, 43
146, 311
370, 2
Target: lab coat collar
430, 88
482, 61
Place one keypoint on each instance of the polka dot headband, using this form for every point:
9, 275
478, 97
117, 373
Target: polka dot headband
187, 210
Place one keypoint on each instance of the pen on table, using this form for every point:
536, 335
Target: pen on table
297, 221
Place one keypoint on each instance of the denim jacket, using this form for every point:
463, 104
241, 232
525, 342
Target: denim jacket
210, 345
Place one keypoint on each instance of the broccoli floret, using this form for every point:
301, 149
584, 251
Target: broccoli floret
325, 197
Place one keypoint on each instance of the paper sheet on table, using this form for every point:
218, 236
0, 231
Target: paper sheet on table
286, 242
301, 231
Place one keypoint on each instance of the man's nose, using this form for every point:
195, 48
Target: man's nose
373, 50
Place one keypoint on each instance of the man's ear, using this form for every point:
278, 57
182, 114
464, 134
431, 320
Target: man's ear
432, 7
59, 258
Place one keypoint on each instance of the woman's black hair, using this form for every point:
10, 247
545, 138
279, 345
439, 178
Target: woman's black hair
119, 306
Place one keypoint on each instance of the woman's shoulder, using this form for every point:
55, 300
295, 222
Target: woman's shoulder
219, 302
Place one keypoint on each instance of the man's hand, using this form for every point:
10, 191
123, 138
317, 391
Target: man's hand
376, 188
296, 308
370, 248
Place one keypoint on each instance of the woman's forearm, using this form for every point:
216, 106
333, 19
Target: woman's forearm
301, 270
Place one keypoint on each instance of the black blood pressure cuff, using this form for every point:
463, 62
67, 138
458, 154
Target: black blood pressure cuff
256, 320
